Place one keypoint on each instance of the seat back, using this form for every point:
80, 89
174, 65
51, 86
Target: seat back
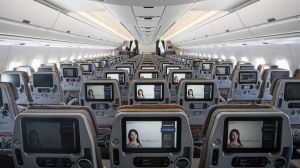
286, 98
167, 68
148, 91
8, 112
27, 69
174, 78
196, 96
245, 86
127, 68
71, 141
123, 78
151, 136
206, 69
102, 97
71, 78
88, 70
45, 88
150, 74
268, 76
246, 136
21, 81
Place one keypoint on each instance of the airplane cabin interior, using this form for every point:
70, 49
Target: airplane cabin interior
149, 83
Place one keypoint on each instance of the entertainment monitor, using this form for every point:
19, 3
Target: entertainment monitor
151, 135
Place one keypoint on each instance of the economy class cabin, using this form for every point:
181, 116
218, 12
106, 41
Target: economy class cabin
149, 83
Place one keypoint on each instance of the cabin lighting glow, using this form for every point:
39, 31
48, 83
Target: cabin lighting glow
259, 61
36, 63
284, 64
245, 59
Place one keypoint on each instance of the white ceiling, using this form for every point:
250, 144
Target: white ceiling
146, 20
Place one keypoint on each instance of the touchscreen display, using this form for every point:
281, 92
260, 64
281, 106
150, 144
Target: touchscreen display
223, 70
86, 67
12, 78
144, 92
247, 77
118, 76
151, 134
252, 134
64, 135
292, 91
70, 72
43, 80
98, 92
202, 92
177, 76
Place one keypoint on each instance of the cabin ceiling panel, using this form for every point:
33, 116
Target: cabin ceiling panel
148, 11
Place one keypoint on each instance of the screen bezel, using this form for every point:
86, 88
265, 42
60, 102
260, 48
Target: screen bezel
210, 66
94, 84
118, 68
151, 150
182, 78
135, 92
119, 73
143, 67
148, 73
252, 150
247, 82
15, 75
285, 91
45, 150
171, 67
197, 99
272, 77
38, 86
70, 76
90, 65
226, 67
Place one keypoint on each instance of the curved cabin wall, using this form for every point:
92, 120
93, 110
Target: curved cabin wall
265, 30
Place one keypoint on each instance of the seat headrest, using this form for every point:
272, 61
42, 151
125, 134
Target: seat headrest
59, 109
275, 83
11, 87
151, 108
234, 108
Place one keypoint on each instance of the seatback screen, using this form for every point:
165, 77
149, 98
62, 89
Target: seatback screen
148, 75
99, 92
43, 69
292, 91
147, 67
62, 137
169, 68
151, 135
165, 64
123, 68
43, 80
252, 134
118, 76
247, 77
177, 76
199, 92
98, 64
148, 92
12, 78
279, 74
86, 67
196, 64
246, 67
70, 72
222, 70
206, 66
